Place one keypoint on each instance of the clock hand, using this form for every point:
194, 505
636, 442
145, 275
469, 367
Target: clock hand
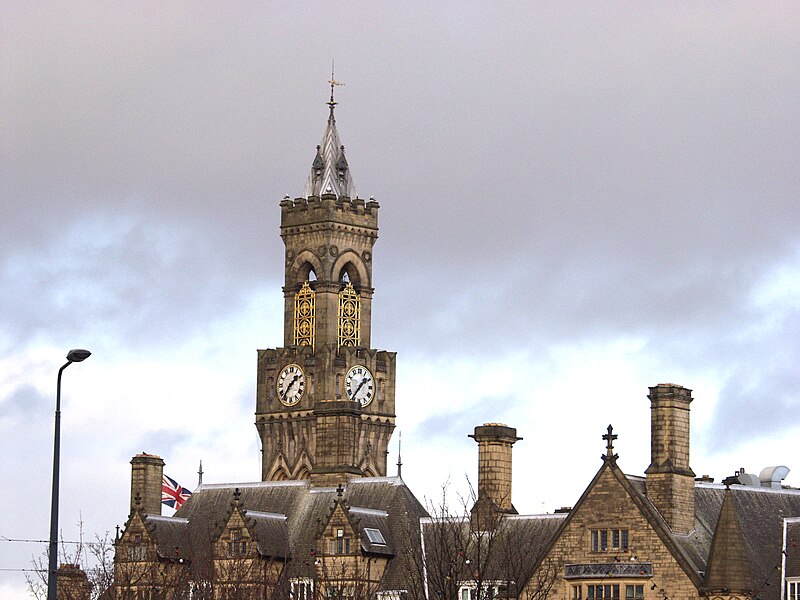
360, 385
288, 387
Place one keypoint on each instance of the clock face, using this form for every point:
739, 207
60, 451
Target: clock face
360, 385
291, 384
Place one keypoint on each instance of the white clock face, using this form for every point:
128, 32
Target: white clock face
291, 384
360, 385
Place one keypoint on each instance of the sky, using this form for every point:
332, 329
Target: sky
578, 201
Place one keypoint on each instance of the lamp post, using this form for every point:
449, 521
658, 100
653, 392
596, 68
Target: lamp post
52, 569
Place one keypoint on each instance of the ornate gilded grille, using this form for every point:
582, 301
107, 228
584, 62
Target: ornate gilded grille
349, 316
304, 310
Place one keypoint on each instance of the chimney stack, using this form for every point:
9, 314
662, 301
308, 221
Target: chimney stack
495, 442
147, 474
670, 479
338, 428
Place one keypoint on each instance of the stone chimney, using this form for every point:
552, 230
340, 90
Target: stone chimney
670, 480
72, 583
147, 473
338, 425
495, 442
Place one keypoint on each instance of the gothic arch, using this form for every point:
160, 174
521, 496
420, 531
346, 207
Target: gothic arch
303, 263
358, 273
279, 470
302, 469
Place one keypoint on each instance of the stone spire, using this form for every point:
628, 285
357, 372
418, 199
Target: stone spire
330, 173
728, 569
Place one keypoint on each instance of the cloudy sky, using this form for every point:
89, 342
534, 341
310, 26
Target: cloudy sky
578, 201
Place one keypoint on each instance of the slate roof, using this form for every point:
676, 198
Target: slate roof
171, 535
759, 513
330, 173
284, 518
518, 543
793, 548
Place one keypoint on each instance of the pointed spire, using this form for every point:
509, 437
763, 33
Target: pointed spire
330, 173
200, 474
728, 568
399, 458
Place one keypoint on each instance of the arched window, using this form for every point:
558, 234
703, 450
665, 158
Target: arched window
349, 316
304, 314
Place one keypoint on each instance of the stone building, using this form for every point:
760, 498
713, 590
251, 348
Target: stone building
327, 519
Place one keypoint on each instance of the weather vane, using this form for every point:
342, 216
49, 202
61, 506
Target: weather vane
333, 83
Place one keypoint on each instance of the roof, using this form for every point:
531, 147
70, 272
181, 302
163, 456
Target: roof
284, 517
507, 553
758, 513
330, 173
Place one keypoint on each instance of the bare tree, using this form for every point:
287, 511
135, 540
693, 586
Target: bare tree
470, 551
86, 569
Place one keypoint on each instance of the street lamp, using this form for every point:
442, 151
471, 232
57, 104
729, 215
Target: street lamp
52, 569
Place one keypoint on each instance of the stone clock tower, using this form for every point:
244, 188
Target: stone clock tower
325, 400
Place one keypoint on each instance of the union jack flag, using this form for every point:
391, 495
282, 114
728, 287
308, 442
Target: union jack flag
172, 494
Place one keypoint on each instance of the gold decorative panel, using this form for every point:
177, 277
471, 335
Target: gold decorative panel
304, 310
349, 316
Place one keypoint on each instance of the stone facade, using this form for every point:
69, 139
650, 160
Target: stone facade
329, 239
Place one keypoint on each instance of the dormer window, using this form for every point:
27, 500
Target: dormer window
375, 536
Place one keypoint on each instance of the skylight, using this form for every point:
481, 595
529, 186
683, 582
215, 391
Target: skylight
375, 536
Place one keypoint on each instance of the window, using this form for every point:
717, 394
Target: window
302, 589
137, 551
577, 592
375, 536
602, 592
304, 315
606, 540
349, 316
793, 590
340, 544
634, 592
488, 591
237, 546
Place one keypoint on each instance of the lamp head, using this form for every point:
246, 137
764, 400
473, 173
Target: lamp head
78, 355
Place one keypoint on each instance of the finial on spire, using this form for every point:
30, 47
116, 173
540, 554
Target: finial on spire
333, 82
399, 458
609, 438
200, 474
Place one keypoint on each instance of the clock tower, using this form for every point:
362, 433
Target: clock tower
325, 400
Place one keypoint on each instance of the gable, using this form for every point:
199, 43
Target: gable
614, 536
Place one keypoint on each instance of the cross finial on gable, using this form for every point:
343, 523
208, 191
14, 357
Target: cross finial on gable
237, 497
609, 438
339, 490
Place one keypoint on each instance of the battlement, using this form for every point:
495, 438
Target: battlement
329, 208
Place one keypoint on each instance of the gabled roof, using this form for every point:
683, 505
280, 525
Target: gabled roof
170, 535
270, 532
759, 513
284, 517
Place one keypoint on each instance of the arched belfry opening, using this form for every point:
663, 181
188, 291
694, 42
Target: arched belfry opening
305, 308
306, 273
349, 314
